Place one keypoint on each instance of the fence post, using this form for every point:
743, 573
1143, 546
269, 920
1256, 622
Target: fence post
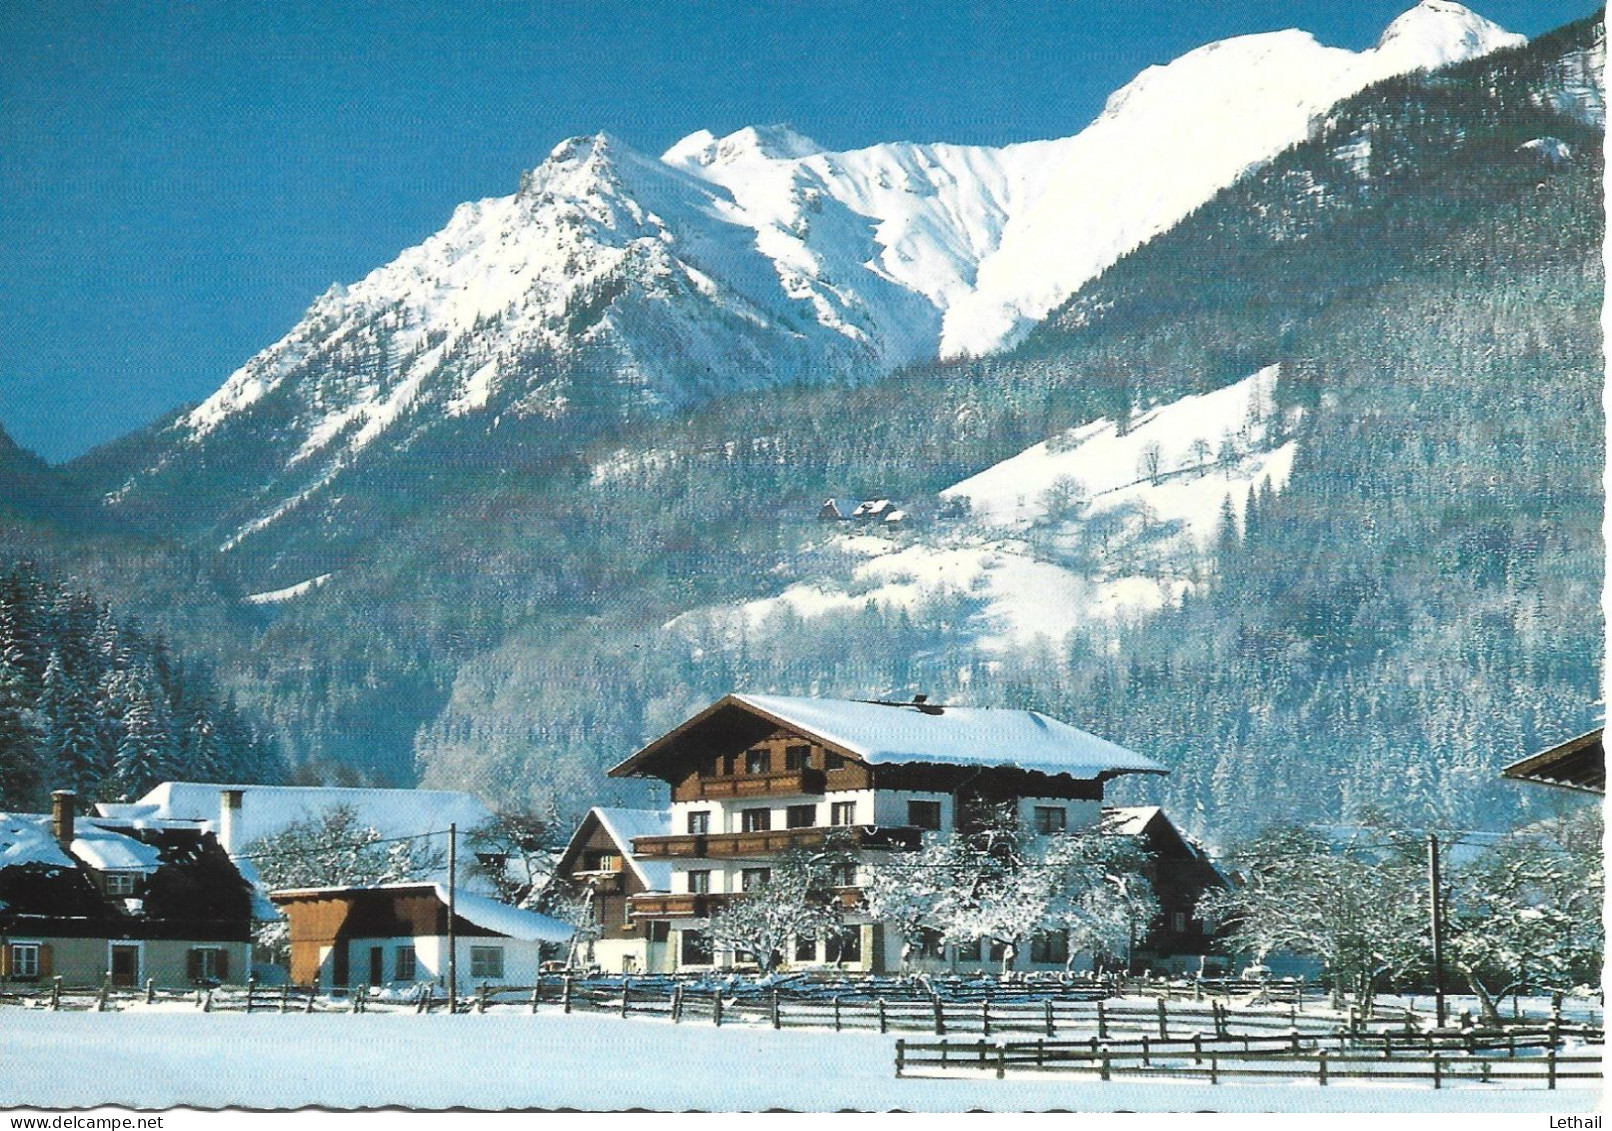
285, 995
677, 1004
1001, 1061
106, 987
313, 992
535, 989
56, 992
940, 1017
884, 1026
1550, 1068
1214, 1069
1147, 1056
1321, 1066
777, 1022
207, 1006
944, 1050
1164, 1021
1293, 1035
1047, 1009
481, 998
626, 995
1040, 1053
985, 1016
901, 1055
1106, 1068
565, 994
151, 990
979, 1051
1197, 1048
716, 1008
836, 1013
1438, 1071
1102, 1021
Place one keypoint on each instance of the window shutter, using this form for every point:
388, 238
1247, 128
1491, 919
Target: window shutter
193, 965
46, 966
223, 964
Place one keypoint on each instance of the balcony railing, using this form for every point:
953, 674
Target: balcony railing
689, 905
774, 841
787, 783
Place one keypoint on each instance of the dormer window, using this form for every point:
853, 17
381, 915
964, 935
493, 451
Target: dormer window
121, 883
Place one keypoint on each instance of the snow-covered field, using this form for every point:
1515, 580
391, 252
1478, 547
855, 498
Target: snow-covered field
165, 1058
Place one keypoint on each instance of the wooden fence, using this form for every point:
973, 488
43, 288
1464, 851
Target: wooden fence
1216, 1059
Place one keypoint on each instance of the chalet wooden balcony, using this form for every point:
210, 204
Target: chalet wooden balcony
786, 783
604, 881
774, 841
703, 905
681, 906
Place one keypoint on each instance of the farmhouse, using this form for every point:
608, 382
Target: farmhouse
754, 776
397, 934
601, 862
1181, 873
85, 899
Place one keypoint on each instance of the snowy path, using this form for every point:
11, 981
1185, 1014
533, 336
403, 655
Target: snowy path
160, 1059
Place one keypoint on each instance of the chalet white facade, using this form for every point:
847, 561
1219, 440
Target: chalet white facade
754, 776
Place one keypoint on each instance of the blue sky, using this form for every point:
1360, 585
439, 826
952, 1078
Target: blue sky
179, 180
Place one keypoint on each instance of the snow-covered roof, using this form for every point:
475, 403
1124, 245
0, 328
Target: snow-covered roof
1128, 820
625, 824
880, 733
106, 850
269, 809
513, 922
25, 838
489, 914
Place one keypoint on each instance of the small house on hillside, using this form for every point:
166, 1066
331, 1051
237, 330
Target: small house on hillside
872, 510
600, 860
837, 510
87, 898
397, 934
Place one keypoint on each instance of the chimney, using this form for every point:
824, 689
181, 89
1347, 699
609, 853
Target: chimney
61, 816
229, 818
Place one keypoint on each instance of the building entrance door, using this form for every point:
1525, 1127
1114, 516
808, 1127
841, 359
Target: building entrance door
377, 966
125, 965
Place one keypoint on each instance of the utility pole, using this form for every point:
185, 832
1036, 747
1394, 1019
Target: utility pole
1437, 905
453, 948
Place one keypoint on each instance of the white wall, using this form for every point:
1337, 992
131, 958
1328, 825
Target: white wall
521, 961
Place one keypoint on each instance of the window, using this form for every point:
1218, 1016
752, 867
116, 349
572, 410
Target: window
754, 879
1178, 922
1051, 819
1048, 947
832, 761
120, 883
659, 930
699, 823
844, 875
968, 951
843, 813
924, 814
25, 960
755, 820
757, 762
602, 862
699, 882
486, 962
797, 757
207, 964
845, 946
801, 816
933, 944
696, 948
727, 763
805, 950
403, 964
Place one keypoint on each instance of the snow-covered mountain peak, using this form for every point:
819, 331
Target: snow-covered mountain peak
780, 142
1436, 33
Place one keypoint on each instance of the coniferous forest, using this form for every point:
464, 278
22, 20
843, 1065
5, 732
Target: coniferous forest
1416, 607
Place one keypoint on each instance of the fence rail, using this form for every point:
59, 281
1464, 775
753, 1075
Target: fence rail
1219, 1058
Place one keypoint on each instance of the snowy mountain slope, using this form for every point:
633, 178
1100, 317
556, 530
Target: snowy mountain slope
1097, 525
613, 284
1168, 141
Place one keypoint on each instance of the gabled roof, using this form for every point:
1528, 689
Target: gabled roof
622, 825
841, 507
190, 889
924, 734
1579, 763
268, 809
488, 914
